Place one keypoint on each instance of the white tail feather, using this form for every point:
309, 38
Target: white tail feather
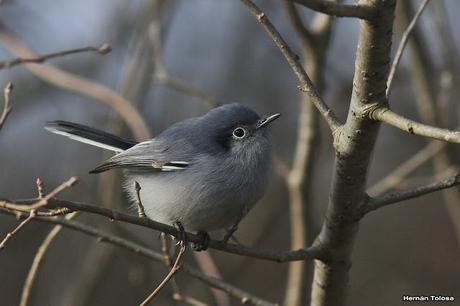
85, 140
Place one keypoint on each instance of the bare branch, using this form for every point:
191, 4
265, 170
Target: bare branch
17, 229
305, 35
188, 300
141, 250
187, 89
402, 45
278, 256
171, 273
396, 197
7, 108
41, 202
340, 10
104, 49
386, 115
407, 167
306, 85
33, 271
79, 85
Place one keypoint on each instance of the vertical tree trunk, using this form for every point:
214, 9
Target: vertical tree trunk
354, 144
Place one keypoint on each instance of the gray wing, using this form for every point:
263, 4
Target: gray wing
147, 155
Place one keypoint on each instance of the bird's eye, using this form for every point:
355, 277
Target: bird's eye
239, 133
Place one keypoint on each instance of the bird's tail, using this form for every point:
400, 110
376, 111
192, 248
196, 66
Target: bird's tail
89, 135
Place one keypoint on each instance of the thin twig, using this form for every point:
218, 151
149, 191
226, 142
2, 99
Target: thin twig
7, 108
40, 188
188, 300
396, 197
306, 85
171, 273
313, 252
407, 167
41, 202
17, 229
34, 268
104, 49
384, 114
187, 89
402, 45
361, 11
140, 207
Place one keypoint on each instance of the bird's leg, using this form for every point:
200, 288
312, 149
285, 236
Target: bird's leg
203, 244
233, 229
181, 235
230, 232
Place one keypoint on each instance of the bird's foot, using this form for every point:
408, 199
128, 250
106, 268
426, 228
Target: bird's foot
229, 233
203, 244
181, 234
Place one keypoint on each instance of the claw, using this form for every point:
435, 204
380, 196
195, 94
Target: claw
203, 244
181, 235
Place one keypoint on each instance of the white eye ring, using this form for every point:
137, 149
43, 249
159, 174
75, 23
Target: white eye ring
239, 133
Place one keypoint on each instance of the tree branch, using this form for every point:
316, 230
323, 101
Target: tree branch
306, 85
10, 235
79, 85
104, 49
361, 11
34, 268
7, 108
402, 45
384, 114
141, 250
175, 267
396, 197
278, 256
407, 167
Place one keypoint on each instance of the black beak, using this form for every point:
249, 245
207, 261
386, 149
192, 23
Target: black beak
267, 120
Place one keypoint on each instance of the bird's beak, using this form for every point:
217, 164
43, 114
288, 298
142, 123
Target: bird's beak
267, 120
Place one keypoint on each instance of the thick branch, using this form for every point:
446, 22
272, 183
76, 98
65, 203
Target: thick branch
306, 85
361, 11
386, 115
278, 256
396, 197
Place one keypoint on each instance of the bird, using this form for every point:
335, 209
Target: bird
202, 174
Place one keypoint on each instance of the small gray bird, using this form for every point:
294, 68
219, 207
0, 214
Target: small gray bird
202, 174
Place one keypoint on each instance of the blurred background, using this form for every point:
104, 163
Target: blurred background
175, 59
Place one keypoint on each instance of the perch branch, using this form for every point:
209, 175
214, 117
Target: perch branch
278, 256
141, 250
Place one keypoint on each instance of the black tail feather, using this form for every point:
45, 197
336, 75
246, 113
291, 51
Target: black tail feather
89, 135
